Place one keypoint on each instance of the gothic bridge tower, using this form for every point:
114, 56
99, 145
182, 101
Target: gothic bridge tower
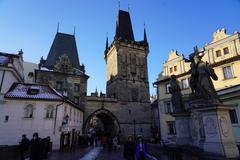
126, 59
127, 78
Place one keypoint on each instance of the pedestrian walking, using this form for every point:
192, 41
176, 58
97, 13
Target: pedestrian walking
35, 148
23, 146
140, 149
128, 152
104, 141
115, 143
110, 143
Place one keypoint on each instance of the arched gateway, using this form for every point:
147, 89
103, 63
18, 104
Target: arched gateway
103, 121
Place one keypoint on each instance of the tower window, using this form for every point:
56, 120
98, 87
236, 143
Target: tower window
76, 87
76, 100
171, 69
134, 94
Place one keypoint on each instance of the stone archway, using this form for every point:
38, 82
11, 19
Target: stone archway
105, 121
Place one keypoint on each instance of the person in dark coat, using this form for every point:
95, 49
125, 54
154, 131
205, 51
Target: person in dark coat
128, 152
24, 146
140, 149
35, 148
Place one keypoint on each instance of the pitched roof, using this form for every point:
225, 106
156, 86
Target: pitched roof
41, 92
63, 44
124, 26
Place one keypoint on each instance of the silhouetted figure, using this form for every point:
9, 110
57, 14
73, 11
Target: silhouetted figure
35, 148
128, 152
104, 141
140, 149
115, 143
45, 146
109, 144
23, 146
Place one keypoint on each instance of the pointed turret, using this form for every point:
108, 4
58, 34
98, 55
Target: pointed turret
63, 44
106, 48
145, 35
124, 26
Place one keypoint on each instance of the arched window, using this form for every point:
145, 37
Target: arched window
28, 111
49, 112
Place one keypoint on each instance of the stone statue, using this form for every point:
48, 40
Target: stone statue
200, 80
176, 95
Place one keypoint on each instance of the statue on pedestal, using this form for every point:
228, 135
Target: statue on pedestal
176, 95
200, 80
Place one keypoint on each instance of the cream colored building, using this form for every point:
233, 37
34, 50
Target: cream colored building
223, 54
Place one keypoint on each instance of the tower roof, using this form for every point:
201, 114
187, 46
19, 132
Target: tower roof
124, 26
63, 44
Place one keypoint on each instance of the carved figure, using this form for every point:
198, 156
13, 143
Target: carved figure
200, 81
176, 95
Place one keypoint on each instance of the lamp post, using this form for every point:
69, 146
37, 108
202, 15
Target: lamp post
134, 128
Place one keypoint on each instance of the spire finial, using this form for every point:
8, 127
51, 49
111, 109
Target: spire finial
58, 27
106, 42
74, 30
119, 4
145, 34
128, 7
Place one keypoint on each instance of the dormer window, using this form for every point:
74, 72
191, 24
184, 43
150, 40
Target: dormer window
33, 90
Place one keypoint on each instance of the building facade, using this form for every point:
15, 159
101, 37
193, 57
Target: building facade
63, 71
223, 54
30, 108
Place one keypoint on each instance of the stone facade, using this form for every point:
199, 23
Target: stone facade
127, 100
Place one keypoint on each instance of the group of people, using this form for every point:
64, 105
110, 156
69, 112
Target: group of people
134, 150
36, 148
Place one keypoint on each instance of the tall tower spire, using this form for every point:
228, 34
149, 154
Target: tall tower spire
145, 34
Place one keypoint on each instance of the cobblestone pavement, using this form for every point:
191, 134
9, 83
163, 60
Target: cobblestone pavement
67, 155
113, 155
90, 153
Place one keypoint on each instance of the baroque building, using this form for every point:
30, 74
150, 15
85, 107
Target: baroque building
223, 54
125, 108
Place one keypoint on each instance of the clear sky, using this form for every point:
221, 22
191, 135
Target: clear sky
171, 24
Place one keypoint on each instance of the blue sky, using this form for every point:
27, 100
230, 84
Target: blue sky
171, 24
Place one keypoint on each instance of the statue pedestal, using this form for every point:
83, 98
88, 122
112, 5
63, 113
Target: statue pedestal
219, 137
182, 128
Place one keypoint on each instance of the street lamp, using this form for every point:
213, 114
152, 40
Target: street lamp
134, 128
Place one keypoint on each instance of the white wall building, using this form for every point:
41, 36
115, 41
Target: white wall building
30, 108
11, 70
